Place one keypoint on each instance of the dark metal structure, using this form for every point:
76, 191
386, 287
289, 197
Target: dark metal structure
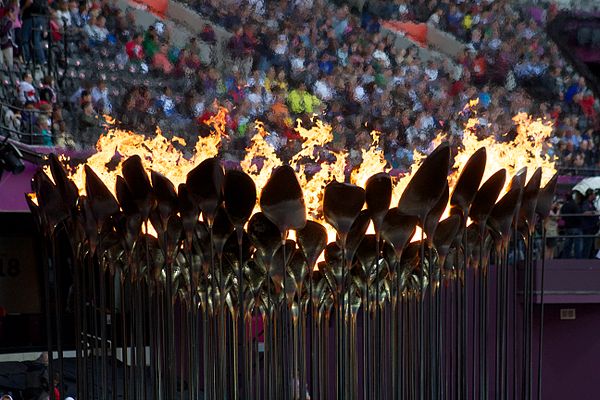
220, 303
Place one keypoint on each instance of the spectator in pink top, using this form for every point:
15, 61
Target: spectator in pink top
161, 62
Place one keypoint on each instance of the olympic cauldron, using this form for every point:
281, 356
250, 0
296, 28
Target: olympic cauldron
209, 298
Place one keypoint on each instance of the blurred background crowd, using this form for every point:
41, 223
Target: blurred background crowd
67, 65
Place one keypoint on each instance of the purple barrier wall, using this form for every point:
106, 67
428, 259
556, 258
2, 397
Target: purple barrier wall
13, 189
571, 347
571, 353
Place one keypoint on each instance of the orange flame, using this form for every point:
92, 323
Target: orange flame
373, 161
315, 140
157, 153
527, 149
260, 159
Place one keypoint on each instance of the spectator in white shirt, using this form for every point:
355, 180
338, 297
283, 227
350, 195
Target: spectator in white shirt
342, 54
360, 95
323, 88
100, 98
281, 46
259, 100
165, 102
426, 122
436, 17
402, 9
258, 6
27, 92
96, 30
381, 55
297, 62
431, 71
64, 15
368, 75
87, 28
257, 79
495, 43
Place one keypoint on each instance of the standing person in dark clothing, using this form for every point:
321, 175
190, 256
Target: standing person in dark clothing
37, 384
263, 54
589, 224
573, 226
7, 38
34, 20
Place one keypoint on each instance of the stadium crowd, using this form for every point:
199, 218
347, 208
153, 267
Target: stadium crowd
291, 60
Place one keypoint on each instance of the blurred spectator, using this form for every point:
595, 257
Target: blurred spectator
552, 230
191, 107
301, 101
27, 92
134, 48
75, 99
11, 118
88, 117
47, 92
161, 61
61, 136
56, 27
165, 102
208, 34
237, 44
64, 14
33, 14
37, 383
589, 225
77, 16
43, 132
15, 5
96, 31
8, 43
128, 115
29, 117
56, 383
571, 214
150, 43
100, 99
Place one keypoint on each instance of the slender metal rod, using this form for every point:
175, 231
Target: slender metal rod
113, 347
541, 329
48, 263
421, 322
103, 333
242, 311
124, 347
